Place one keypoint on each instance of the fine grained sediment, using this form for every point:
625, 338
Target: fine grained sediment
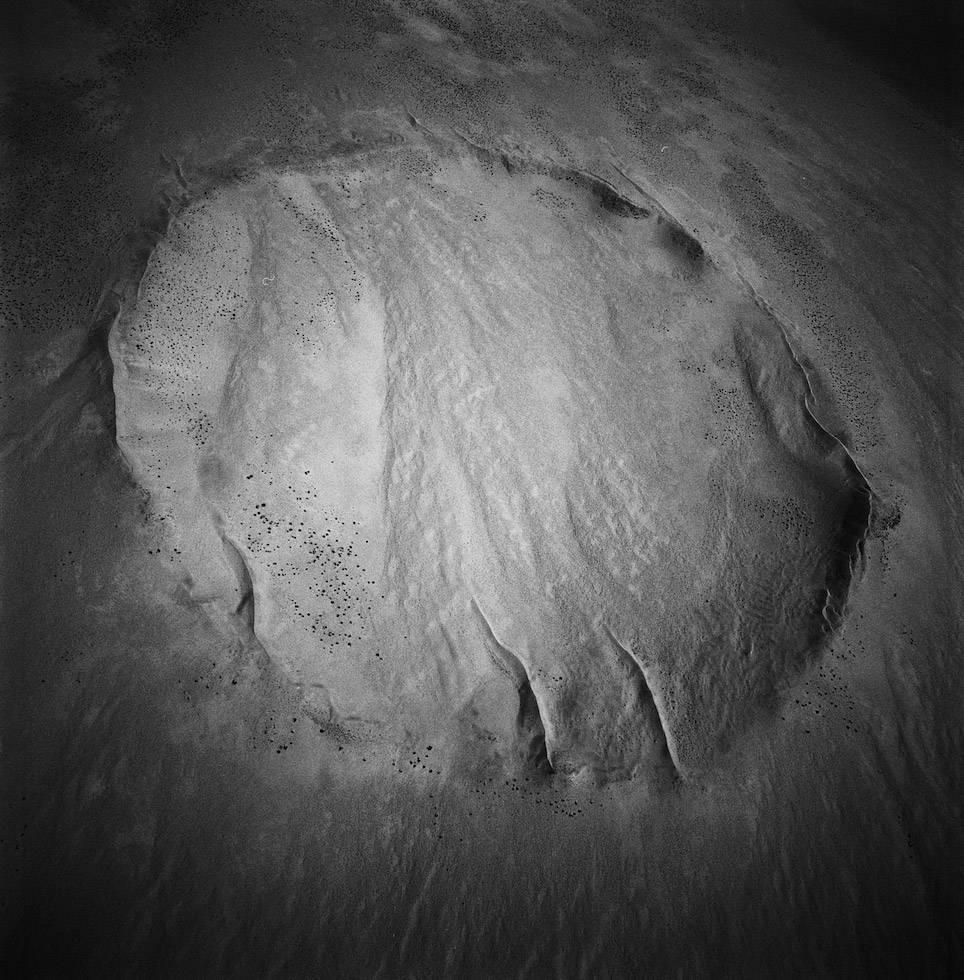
467, 414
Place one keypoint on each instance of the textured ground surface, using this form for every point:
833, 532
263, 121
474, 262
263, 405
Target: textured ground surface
481, 496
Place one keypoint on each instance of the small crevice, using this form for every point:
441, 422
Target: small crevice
245, 608
608, 197
858, 517
649, 695
680, 242
848, 558
513, 162
530, 727
675, 236
134, 253
532, 732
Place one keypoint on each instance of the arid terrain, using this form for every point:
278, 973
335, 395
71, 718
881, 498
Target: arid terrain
481, 490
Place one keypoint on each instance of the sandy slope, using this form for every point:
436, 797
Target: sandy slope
483, 499
532, 409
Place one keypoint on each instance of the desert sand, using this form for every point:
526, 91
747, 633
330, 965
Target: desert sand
481, 495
